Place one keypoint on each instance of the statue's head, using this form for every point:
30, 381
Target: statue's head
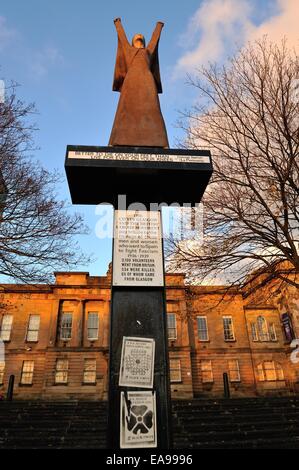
138, 41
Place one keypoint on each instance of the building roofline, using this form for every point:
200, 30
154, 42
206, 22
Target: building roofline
260, 307
71, 272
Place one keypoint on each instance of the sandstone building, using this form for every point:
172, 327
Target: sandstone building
56, 339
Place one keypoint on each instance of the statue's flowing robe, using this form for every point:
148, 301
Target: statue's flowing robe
138, 120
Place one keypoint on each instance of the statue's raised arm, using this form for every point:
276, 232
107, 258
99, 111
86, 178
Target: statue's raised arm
120, 69
138, 120
153, 44
153, 49
121, 32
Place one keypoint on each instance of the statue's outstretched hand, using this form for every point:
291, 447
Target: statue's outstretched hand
116, 20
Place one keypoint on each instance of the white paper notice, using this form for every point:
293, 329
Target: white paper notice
137, 254
137, 362
138, 426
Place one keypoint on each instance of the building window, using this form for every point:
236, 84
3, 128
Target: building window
207, 372
66, 326
234, 370
27, 373
171, 323
6, 326
2, 368
254, 335
262, 329
61, 373
202, 328
228, 329
272, 332
93, 326
270, 371
90, 371
175, 370
33, 328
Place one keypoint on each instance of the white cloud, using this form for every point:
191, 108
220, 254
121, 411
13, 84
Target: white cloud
6, 33
218, 26
44, 60
215, 26
285, 23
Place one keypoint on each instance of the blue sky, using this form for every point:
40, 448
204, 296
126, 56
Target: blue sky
63, 53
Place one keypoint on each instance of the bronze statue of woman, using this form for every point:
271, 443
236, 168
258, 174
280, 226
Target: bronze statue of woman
138, 120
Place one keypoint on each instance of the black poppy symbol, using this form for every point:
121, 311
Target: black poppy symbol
141, 419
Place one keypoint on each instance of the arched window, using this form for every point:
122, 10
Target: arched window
270, 371
262, 329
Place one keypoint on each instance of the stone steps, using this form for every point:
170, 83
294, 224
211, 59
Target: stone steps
197, 424
237, 423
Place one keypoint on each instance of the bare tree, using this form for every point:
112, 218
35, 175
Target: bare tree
36, 231
248, 117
